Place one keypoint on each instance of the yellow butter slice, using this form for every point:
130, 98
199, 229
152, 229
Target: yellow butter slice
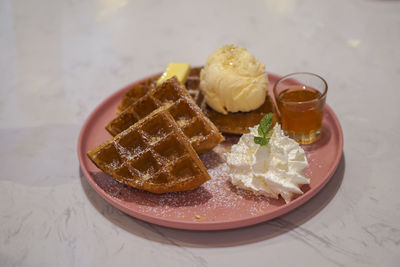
180, 70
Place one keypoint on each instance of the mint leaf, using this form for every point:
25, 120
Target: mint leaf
261, 130
264, 130
265, 125
267, 122
260, 140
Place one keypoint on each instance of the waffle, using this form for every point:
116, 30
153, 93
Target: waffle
202, 133
144, 86
136, 92
152, 155
231, 123
141, 88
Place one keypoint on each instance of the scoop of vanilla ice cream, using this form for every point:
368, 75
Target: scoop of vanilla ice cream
233, 80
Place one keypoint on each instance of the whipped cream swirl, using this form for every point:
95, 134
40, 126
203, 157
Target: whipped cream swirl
271, 170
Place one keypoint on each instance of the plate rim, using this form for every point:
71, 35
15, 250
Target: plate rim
200, 225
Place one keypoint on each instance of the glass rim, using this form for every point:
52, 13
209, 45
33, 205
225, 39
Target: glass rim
323, 94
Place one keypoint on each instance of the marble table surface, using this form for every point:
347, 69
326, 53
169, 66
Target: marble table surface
60, 59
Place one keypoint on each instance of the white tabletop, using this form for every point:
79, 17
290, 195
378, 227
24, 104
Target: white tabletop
60, 59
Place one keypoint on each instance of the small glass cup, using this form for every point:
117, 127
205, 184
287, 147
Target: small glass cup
300, 98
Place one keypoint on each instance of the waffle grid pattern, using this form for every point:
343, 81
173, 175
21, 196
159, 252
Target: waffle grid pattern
140, 89
136, 92
153, 155
202, 133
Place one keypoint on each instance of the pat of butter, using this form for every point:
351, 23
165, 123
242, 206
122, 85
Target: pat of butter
180, 70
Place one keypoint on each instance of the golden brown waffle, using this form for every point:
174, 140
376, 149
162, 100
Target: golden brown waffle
141, 88
152, 155
136, 92
232, 123
202, 133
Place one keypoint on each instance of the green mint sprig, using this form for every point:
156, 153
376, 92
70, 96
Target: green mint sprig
264, 130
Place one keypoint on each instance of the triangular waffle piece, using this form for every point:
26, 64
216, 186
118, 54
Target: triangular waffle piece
202, 133
144, 86
152, 155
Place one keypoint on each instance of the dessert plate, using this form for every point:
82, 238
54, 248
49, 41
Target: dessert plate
215, 205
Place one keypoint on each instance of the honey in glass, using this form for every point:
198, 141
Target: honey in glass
301, 108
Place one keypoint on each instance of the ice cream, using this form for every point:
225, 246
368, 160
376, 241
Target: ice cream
271, 170
233, 80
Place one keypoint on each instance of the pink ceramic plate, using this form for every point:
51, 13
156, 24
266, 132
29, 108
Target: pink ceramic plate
216, 204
